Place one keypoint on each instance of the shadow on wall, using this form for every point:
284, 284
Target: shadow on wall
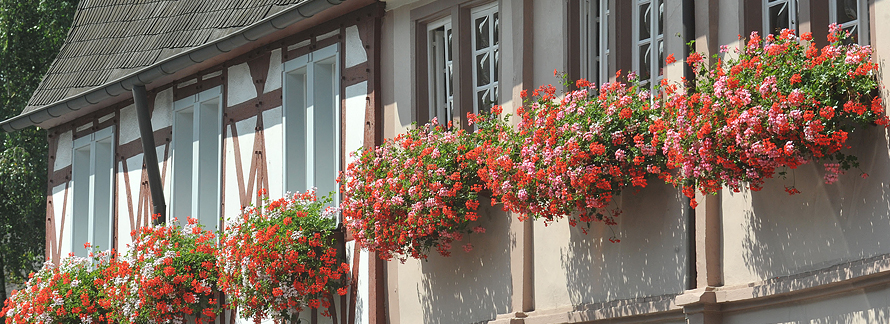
471, 287
649, 261
826, 224
870, 305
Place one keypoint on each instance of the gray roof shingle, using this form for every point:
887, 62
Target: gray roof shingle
112, 38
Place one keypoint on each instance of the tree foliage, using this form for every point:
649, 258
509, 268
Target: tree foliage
31, 33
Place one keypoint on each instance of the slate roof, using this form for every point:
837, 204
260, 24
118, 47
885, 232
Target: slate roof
110, 39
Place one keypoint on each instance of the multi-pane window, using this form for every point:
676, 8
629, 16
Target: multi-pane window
778, 15
852, 15
484, 22
441, 70
312, 122
649, 38
92, 175
595, 40
197, 139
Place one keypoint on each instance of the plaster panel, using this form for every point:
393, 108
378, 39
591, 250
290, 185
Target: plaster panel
62, 211
549, 43
274, 151
129, 125
64, 151
124, 225
770, 234
162, 115
355, 50
870, 305
573, 269
397, 105
355, 117
246, 135
466, 287
240, 87
273, 79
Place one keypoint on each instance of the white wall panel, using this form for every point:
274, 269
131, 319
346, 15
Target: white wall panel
63, 235
274, 149
240, 87
162, 115
273, 79
129, 125
63, 152
355, 117
355, 51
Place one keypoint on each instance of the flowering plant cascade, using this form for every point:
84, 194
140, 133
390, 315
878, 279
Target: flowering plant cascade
576, 153
69, 293
279, 257
416, 192
780, 103
172, 275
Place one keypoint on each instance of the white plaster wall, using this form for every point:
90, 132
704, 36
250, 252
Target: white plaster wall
355, 51
274, 151
273, 78
572, 268
354, 122
870, 305
240, 85
246, 135
548, 36
162, 115
397, 73
124, 224
129, 125
64, 151
465, 287
63, 225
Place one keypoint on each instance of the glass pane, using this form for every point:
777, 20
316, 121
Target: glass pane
645, 58
481, 27
496, 28
854, 35
496, 65
644, 21
483, 100
660, 21
846, 11
482, 69
778, 18
495, 95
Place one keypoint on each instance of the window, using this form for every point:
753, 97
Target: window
312, 122
441, 71
484, 21
595, 40
92, 175
852, 15
778, 15
649, 38
197, 139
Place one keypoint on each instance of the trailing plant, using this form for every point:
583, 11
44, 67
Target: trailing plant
574, 153
69, 293
417, 192
171, 275
280, 257
778, 103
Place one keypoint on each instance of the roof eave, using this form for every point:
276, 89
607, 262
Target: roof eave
169, 66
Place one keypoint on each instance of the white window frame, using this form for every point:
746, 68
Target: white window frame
492, 50
793, 17
655, 41
86, 180
860, 23
595, 51
440, 70
300, 129
193, 160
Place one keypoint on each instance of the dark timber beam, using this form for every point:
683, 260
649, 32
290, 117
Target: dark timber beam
150, 155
